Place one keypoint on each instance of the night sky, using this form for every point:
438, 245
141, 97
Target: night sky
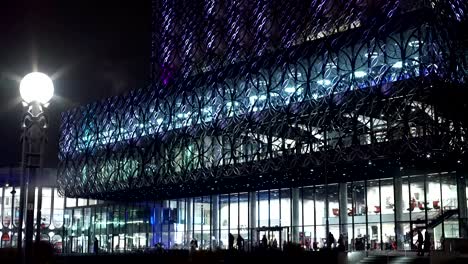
92, 51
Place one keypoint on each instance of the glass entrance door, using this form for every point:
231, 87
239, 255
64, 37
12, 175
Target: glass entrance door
273, 237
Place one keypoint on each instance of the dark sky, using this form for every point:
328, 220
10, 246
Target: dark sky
95, 51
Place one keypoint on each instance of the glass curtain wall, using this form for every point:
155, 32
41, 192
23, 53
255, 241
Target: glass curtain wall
374, 214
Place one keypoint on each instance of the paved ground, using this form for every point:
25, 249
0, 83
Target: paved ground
401, 257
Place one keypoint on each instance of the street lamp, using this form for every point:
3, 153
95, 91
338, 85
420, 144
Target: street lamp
36, 90
36, 87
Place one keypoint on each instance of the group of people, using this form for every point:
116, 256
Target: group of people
331, 241
423, 243
239, 242
265, 244
426, 242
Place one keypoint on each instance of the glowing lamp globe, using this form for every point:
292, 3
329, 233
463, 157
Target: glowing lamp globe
36, 86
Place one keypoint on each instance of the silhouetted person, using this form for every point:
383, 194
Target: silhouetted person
315, 246
230, 241
193, 244
330, 240
420, 242
341, 245
427, 243
264, 241
96, 245
442, 241
240, 243
274, 244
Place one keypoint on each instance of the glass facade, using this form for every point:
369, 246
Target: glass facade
51, 221
374, 214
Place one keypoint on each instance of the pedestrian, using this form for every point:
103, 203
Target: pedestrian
96, 245
193, 245
341, 245
427, 243
231, 242
330, 240
315, 246
442, 241
240, 243
420, 242
274, 244
264, 241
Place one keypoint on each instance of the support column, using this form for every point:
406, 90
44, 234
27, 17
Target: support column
253, 218
188, 221
398, 194
168, 227
214, 221
295, 214
463, 214
343, 205
156, 226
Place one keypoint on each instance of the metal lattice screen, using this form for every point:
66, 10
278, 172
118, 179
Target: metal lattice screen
250, 94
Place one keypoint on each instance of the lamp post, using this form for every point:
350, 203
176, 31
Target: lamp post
36, 90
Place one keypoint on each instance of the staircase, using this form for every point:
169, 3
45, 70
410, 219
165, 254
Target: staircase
434, 222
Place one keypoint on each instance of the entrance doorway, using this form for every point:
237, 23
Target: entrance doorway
275, 236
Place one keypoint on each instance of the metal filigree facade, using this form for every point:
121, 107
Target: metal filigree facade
251, 94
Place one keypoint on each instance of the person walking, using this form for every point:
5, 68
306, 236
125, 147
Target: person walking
264, 241
231, 241
341, 244
274, 244
240, 243
420, 242
96, 245
330, 240
427, 243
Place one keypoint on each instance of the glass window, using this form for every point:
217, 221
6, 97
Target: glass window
374, 204
46, 207
296, 216
16, 197
180, 223
198, 215
417, 188
215, 210
82, 202
433, 197
358, 213
224, 219
334, 210
234, 214
263, 209
57, 217
450, 202
274, 208
244, 217
7, 205
70, 202
449, 191
320, 215
56, 241
1, 206
388, 214
206, 227
308, 209
199, 220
